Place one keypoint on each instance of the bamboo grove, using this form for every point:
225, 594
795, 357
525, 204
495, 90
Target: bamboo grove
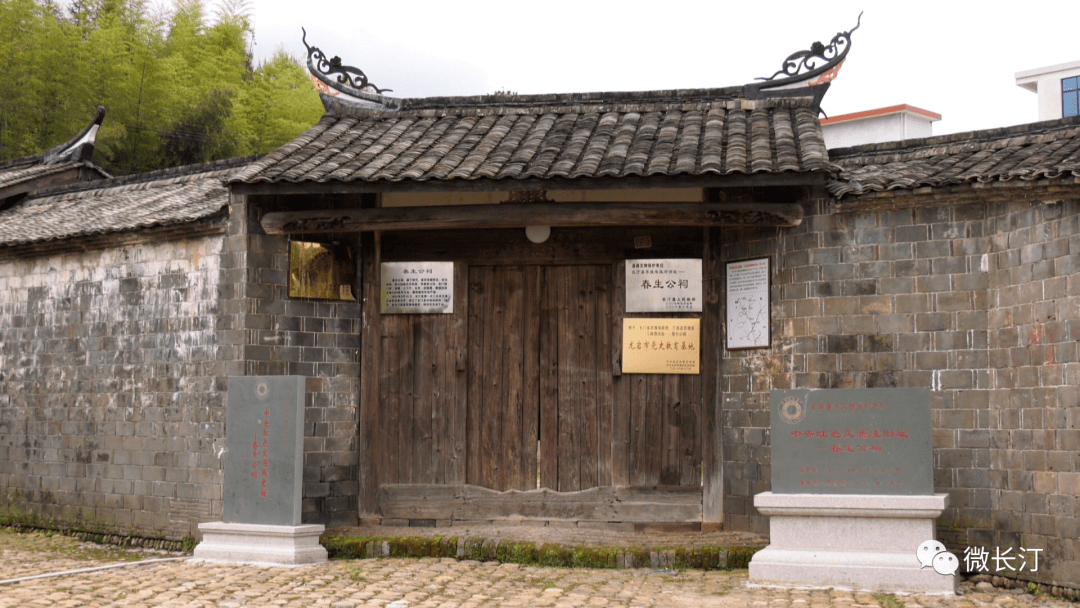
178, 83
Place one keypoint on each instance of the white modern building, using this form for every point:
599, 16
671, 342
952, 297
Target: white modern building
1058, 87
893, 123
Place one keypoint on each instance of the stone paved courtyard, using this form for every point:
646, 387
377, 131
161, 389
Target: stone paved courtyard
401, 583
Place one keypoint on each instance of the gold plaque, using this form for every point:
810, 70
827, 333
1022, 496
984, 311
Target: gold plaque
661, 346
323, 271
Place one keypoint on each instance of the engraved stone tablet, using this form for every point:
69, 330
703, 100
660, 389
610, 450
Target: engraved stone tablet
852, 441
264, 431
663, 285
410, 288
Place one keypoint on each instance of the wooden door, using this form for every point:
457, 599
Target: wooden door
521, 387
540, 383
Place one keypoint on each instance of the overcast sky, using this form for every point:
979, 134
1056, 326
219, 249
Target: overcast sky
958, 59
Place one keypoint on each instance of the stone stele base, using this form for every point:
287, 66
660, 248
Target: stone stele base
857, 541
261, 544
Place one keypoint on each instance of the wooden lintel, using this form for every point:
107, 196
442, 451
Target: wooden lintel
542, 214
731, 180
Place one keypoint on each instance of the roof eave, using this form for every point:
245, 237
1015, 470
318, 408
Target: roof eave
732, 180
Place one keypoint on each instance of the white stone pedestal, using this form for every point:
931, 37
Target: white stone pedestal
857, 541
261, 544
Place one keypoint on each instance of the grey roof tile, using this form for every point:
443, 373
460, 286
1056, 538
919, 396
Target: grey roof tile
510, 137
170, 196
1043, 150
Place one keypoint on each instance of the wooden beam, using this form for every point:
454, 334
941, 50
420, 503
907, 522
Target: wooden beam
605, 503
711, 180
542, 214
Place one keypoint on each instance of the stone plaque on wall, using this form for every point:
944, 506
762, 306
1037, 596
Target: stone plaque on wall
264, 433
663, 285
851, 441
417, 288
661, 346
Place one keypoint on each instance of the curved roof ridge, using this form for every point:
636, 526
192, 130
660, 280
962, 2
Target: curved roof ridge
169, 173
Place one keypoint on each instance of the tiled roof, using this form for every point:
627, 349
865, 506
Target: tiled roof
22, 173
170, 196
72, 154
1043, 150
590, 135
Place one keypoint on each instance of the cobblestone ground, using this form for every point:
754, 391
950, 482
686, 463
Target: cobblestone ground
408, 583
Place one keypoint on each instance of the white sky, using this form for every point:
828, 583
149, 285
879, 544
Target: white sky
958, 59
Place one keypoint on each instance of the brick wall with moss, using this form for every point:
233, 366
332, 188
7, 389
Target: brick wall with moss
980, 303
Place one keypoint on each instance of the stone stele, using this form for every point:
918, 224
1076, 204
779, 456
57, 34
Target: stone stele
853, 476
263, 478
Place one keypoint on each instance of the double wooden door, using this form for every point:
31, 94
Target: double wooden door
521, 388
540, 381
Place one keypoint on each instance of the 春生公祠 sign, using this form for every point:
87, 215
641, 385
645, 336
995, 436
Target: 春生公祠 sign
852, 441
417, 288
661, 346
663, 285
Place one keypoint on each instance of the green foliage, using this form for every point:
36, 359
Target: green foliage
888, 601
178, 90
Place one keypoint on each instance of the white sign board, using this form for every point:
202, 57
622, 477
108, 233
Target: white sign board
663, 285
410, 288
748, 310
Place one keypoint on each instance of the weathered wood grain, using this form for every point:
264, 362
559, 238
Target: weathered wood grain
479, 278
566, 246
569, 451
512, 453
426, 399
459, 350
370, 402
584, 293
614, 504
620, 441
549, 381
530, 414
605, 389
511, 215
712, 451
494, 381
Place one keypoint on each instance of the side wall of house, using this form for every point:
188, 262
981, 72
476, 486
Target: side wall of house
112, 387
980, 303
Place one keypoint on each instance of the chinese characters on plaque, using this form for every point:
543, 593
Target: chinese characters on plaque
417, 288
661, 346
663, 285
264, 434
748, 310
855, 441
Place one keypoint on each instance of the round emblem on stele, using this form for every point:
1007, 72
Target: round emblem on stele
262, 390
792, 410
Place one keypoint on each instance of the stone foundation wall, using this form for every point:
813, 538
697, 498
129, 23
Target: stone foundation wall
981, 303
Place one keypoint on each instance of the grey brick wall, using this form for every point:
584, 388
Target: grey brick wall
112, 387
319, 339
113, 376
980, 303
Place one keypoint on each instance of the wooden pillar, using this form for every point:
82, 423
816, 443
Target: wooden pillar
712, 449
